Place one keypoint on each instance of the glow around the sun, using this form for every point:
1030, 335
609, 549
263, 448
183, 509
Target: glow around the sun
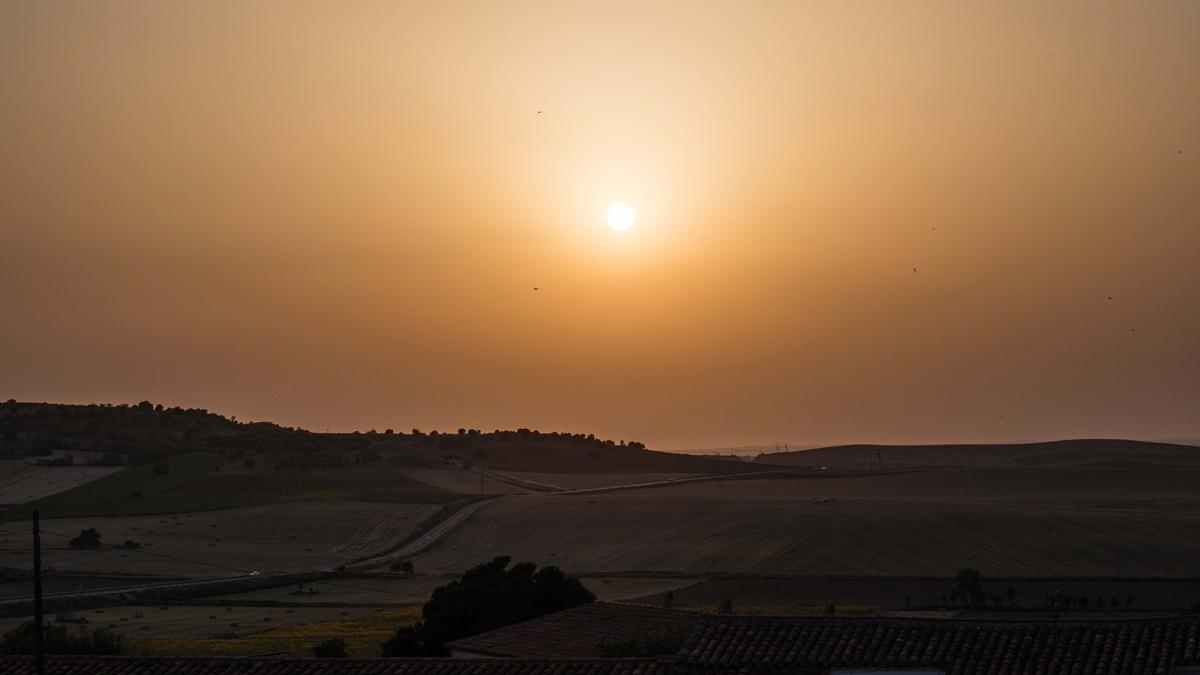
620, 217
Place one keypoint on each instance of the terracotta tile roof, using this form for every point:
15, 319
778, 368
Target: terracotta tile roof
1129, 647
576, 632
142, 665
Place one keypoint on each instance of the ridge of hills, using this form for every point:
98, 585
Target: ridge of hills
113, 435
1096, 453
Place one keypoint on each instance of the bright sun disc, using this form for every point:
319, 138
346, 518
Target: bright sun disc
620, 217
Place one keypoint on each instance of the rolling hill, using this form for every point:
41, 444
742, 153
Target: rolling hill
1093, 453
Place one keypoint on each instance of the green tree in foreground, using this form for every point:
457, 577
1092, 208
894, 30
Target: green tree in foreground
487, 597
58, 640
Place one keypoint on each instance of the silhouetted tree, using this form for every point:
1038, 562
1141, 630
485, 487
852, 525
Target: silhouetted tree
88, 538
332, 648
487, 597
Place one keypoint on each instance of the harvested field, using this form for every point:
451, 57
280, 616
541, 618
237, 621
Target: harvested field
899, 524
64, 584
463, 481
647, 591
416, 590
21, 482
350, 591
1149, 489
898, 593
191, 483
572, 481
275, 538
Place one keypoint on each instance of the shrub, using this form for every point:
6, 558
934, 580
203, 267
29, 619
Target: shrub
332, 648
88, 538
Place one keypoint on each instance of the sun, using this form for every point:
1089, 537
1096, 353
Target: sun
620, 217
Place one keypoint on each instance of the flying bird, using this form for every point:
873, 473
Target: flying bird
536, 288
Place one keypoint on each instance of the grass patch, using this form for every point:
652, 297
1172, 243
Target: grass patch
363, 636
192, 483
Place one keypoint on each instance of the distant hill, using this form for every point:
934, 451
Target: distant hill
144, 433
1091, 453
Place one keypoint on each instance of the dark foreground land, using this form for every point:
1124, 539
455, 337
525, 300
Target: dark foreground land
186, 498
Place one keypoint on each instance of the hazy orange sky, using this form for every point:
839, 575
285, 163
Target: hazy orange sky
333, 215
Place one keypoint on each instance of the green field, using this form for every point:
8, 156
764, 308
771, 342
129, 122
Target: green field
193, 483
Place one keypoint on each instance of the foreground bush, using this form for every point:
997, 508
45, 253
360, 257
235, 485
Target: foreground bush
487, 597
333, 648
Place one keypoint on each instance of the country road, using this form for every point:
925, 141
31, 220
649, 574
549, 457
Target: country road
425, 540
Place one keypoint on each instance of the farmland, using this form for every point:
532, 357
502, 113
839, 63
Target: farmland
190, 483
21, 482
785, 535
784, 595
912, 523
275, 538
377, 591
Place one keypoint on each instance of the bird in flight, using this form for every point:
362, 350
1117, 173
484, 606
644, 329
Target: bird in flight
914, 269
1110, 297
536, 288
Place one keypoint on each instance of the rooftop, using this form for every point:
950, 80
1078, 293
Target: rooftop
1042, 647
576, 632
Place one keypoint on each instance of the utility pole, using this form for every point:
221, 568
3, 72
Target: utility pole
38, 648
